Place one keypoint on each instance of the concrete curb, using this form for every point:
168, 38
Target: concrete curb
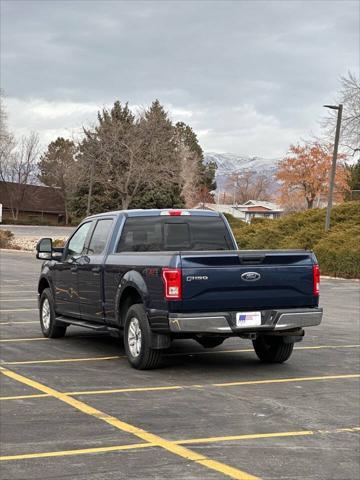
14, 250
325, 277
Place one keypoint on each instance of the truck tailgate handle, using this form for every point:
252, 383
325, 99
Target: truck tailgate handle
96, 269
251, 259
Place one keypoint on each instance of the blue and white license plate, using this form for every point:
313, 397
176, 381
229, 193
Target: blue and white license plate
248, 319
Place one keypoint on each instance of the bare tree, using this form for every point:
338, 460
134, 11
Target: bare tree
125, 157
115, 160
247, 185
124, 165
349, 96
7, 141
189, 175
19, 166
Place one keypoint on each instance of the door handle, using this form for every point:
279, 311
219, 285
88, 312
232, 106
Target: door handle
74, 268
96, 269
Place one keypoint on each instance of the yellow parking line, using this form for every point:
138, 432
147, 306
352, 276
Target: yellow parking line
18, 323
22, 397
33, 299
63, 360
138, 446
17, 291
319, 347
118, 390
184, 387
244, 350
80, 451
34, 339
149, 437
257, 436
250, 382
20, 310
212, 352
129, 390
287, 380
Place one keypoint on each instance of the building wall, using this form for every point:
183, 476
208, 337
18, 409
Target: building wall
32, 217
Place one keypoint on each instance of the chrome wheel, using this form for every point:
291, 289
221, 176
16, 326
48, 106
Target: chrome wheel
45, 314
134, 337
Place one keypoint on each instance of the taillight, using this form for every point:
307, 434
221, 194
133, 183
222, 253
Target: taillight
316, 279
172, 283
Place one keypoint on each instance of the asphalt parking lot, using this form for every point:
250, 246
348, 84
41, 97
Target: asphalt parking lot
73, 407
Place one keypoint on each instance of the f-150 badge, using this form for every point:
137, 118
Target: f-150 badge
192, 278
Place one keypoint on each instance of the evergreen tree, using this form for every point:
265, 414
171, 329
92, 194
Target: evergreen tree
110, 159
143, 162
56, 168
202, 181
162, 189
353, 178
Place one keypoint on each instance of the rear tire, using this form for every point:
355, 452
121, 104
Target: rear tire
272, 349
210, 342
137, 340
49, 326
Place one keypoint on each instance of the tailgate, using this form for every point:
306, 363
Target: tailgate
236, 280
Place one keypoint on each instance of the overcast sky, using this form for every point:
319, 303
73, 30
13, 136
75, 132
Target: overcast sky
249, 76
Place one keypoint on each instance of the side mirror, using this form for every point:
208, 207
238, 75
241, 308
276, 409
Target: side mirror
44, 249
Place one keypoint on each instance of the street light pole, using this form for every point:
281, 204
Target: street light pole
339, 109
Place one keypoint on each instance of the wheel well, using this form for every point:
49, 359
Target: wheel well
129, 297
42, 285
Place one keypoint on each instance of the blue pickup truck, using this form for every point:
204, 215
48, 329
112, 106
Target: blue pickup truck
157, 275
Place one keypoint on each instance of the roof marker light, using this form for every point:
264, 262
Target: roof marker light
174, 213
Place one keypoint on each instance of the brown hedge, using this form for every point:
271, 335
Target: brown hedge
5, 238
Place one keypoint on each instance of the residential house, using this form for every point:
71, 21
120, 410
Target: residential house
247, 211
25, 203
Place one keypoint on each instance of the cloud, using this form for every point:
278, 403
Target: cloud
245, 130
247, 75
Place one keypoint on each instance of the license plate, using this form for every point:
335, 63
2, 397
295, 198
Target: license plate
248, 319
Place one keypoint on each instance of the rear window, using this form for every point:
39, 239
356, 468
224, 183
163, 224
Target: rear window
155, 234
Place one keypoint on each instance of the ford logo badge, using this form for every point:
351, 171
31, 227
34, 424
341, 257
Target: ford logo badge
251, 276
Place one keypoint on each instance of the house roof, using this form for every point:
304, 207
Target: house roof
31, 198
249, 206
263, 204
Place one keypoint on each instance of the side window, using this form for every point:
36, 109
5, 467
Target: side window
100, 236
76, 244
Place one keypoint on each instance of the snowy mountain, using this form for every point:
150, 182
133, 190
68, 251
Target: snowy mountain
229, 163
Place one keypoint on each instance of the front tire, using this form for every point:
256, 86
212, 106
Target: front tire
137, 340
272, 349
49, 326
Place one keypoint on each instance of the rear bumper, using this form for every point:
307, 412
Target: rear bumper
225, 322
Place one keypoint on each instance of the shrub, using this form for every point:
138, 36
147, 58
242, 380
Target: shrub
6, 238
58, 242
306, 237
338, 250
